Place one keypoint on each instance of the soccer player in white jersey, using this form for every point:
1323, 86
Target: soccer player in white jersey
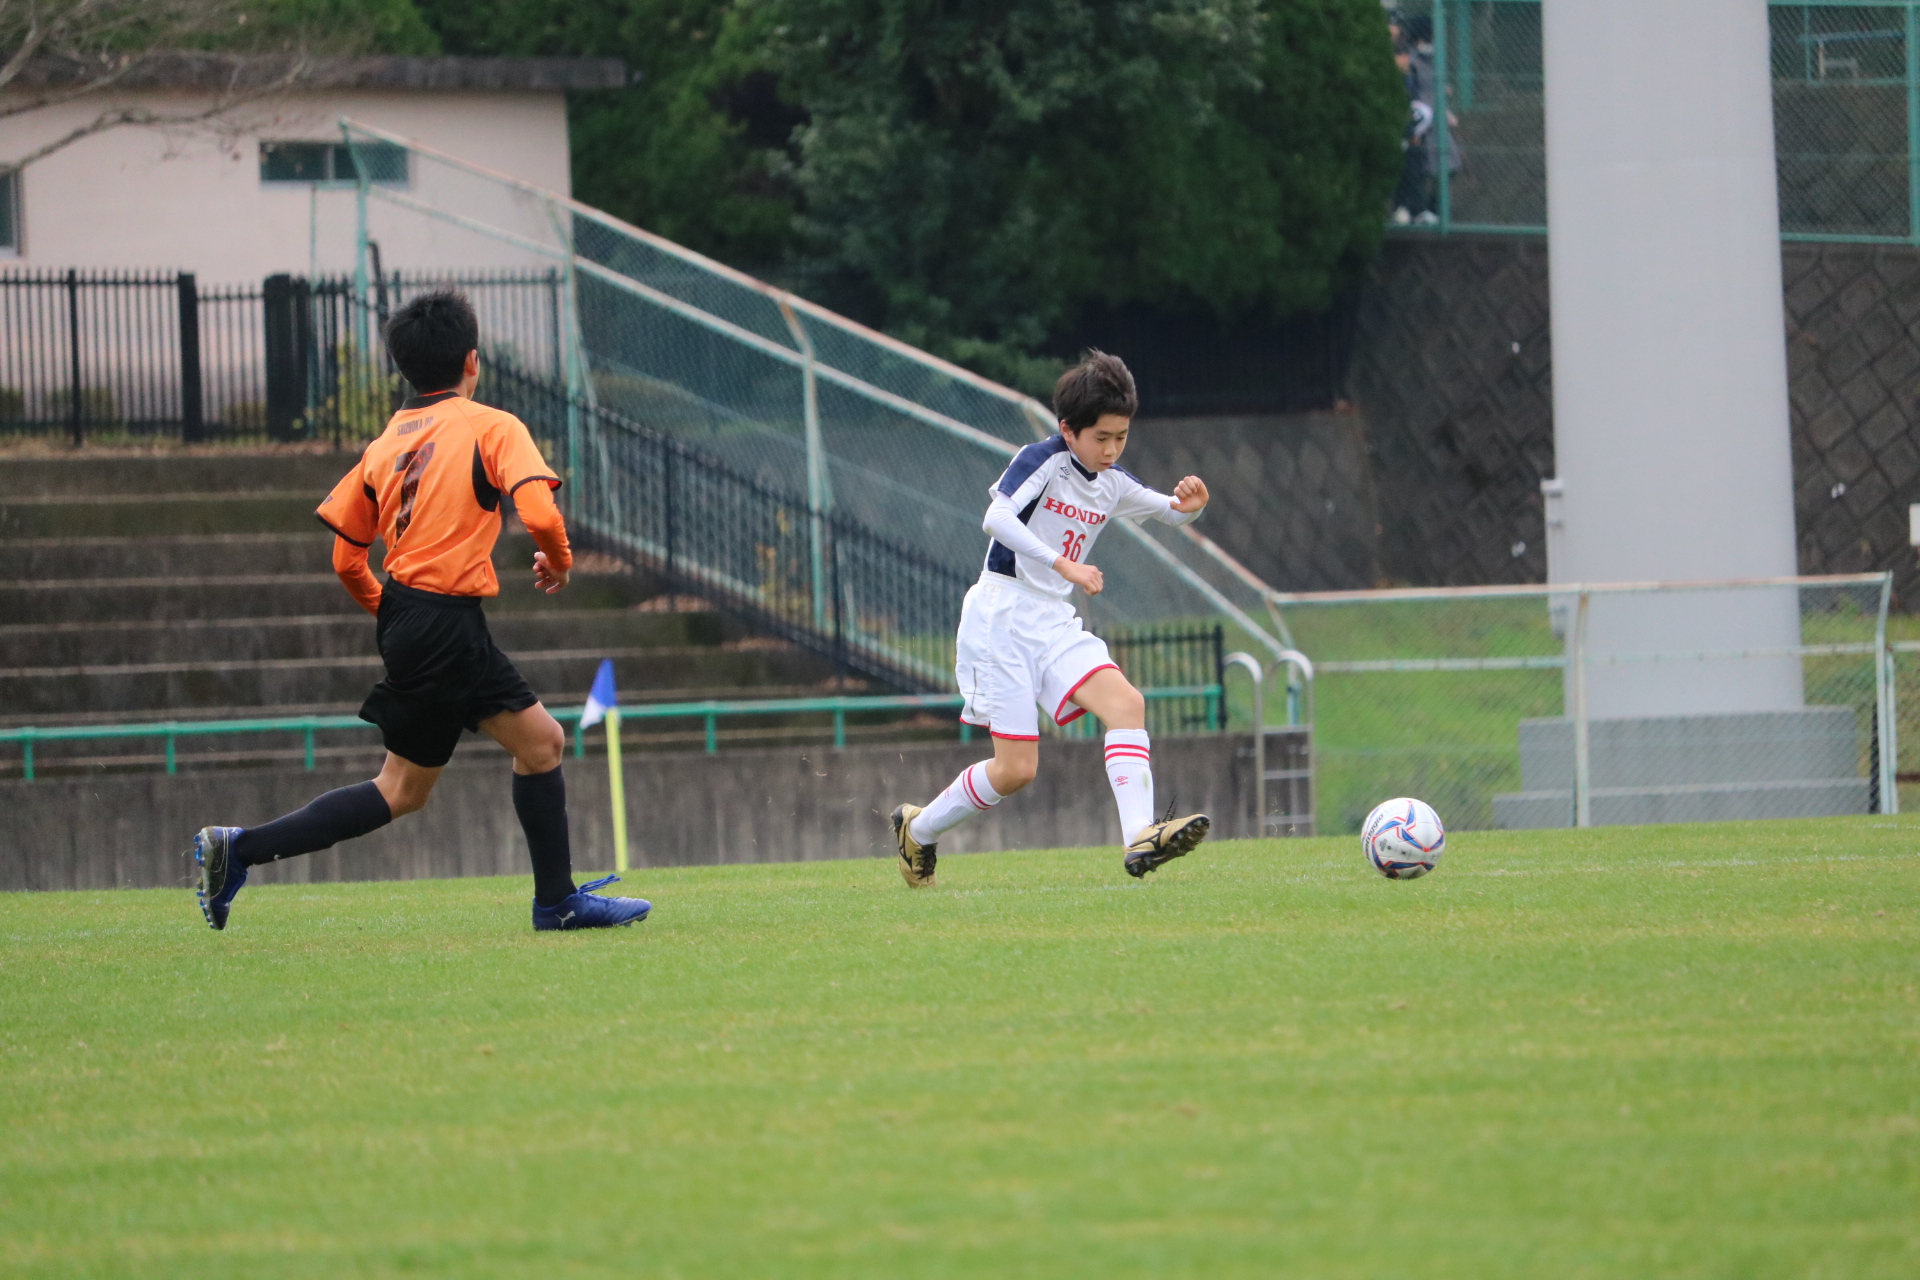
1022, 650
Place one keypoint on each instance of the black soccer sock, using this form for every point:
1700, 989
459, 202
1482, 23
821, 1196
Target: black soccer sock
326, 821
541, 801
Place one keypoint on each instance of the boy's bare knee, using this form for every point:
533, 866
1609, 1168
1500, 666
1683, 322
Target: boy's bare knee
544, 755
1009, 776
404, 795
408, 802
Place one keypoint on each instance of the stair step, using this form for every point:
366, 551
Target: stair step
342, 635
203, 555
79, 560
224, 470
136, 515
182, 687
261, 595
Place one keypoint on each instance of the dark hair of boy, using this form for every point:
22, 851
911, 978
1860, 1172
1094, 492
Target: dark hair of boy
429, 339
1100, 384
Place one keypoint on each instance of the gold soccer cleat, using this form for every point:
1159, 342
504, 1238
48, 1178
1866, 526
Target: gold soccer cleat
1162, 842
916, 860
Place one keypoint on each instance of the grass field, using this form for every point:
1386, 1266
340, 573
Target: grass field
1634, 1053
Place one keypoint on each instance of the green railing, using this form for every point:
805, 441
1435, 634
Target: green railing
710, 712
1846, 115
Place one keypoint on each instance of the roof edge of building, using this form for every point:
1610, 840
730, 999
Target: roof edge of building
179, 69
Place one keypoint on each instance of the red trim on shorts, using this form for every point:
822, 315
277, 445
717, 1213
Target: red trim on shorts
1105, 666
1015, 737
978, 724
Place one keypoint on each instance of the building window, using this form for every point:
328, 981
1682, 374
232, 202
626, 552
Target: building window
10, 214
331, 162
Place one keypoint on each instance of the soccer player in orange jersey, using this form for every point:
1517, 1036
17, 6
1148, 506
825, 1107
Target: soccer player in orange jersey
430, 487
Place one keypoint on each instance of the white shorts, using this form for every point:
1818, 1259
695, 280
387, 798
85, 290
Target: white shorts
1021, 653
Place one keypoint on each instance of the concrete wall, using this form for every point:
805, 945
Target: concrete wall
192, 200
784, 805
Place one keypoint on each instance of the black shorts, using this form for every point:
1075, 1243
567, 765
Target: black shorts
444, 674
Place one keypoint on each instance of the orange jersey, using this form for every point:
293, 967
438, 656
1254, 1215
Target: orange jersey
430, 488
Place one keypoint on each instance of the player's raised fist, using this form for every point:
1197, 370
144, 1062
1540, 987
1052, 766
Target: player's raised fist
1190, 495
1083, 576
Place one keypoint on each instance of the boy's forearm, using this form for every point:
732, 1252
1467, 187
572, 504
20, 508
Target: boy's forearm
350, 563
1003, 526
541, 515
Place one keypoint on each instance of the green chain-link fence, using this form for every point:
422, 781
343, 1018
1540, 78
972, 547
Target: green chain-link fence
1846, 114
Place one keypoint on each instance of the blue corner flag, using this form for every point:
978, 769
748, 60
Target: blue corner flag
602, 699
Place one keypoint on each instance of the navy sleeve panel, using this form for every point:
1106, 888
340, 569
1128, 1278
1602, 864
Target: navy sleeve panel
1028, 461
1000, 557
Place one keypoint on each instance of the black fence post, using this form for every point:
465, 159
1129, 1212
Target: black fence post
74, 407
666, 507
559, 355
192, 408
839, 614
288, 339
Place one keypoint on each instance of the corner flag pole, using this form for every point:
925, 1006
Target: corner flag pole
603, 703
617, 789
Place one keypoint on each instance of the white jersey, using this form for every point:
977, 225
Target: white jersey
1063, 506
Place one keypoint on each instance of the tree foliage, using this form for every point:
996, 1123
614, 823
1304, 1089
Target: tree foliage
987, 167
54, 52
680, 152
968, 174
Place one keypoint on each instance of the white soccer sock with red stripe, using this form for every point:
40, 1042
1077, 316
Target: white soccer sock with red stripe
1130, 771
968, 794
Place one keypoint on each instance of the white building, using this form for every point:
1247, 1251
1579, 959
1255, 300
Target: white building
269, 187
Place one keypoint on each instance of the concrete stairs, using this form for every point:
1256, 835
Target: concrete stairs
148, 588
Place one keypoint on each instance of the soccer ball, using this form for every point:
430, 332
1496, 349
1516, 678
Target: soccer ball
1403, 839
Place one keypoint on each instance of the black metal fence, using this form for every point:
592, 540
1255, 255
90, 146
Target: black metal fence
89, 356
881, 608
106, 355
1172, 657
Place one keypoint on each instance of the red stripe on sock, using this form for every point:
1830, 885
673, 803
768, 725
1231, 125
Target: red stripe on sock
966, 780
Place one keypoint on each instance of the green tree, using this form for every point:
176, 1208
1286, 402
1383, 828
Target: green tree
980, 169
675, 152
968, 174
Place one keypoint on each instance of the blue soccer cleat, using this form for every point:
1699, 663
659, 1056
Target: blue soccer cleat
583, 910
221, 874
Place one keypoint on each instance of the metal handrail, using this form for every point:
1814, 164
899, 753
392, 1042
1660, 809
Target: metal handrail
710, 711
1395, 594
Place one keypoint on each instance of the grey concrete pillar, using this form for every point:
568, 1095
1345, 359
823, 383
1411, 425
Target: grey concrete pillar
1669, 364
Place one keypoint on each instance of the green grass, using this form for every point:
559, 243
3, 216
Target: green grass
1682, 1051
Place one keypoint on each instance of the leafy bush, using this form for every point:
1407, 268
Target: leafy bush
98, 408
245, 418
